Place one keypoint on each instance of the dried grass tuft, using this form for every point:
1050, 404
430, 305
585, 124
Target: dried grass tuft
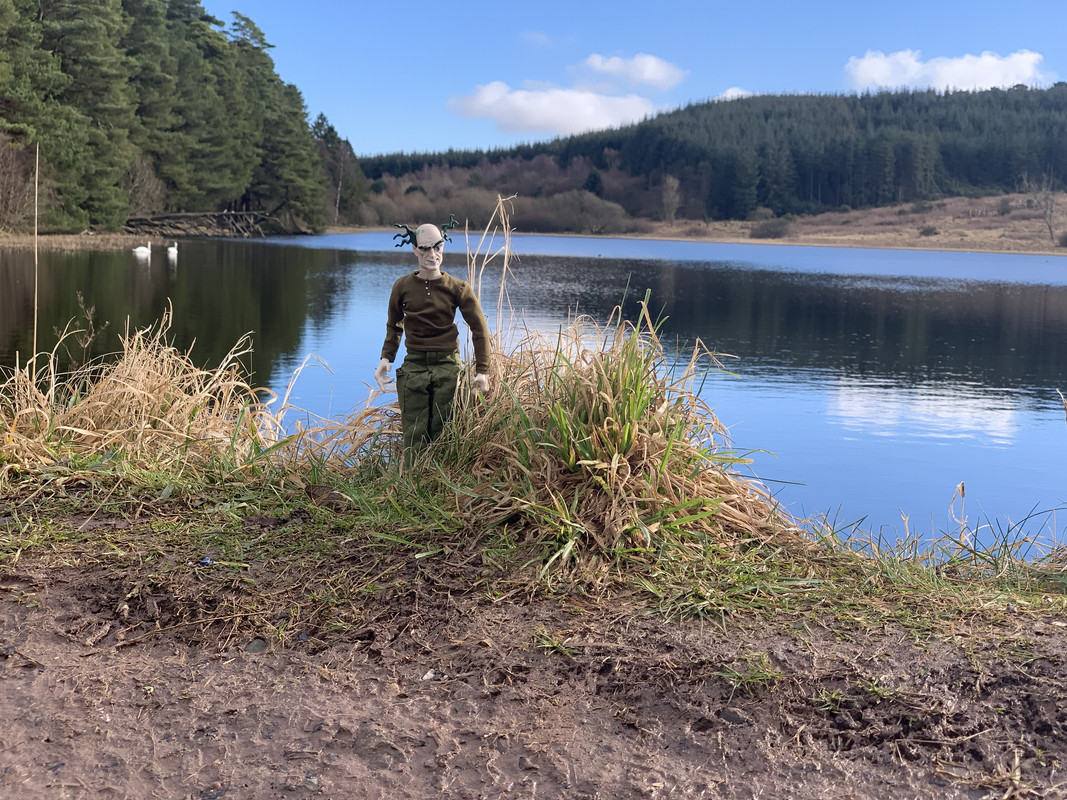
602, 452
595, 449
151, 405
590, 445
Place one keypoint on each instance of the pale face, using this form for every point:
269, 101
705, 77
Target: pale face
429, 247
431, 257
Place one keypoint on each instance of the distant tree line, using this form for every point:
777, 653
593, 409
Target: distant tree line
140, 107
143, 107
776, 155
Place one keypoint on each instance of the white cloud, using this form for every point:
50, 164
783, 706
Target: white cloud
540, 107
642, 69
734, 93
906, 69
551, 110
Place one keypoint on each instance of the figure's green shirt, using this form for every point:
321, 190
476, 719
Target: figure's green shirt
425, 312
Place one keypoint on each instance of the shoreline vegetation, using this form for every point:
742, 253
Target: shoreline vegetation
179, 420
1001, 224
568, 543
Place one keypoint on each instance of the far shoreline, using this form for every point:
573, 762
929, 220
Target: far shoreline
857, 244
958, 225
118, 241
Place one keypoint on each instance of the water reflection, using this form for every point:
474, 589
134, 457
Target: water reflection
879, 381
925, 412
220, 292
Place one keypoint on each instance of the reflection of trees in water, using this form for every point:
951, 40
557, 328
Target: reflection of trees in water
998, 334
16, 315
219, 292
911, 330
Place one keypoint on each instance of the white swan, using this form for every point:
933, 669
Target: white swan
172, 251
144, 251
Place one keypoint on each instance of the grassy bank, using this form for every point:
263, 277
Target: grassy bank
591, 470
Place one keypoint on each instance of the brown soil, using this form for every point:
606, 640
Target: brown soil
109, 690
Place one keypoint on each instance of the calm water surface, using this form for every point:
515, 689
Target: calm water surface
866, 384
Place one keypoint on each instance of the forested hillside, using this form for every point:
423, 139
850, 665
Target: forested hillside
762, 156
146, 106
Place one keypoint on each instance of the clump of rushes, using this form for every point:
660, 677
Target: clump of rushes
149, 407
592, 454
600, 452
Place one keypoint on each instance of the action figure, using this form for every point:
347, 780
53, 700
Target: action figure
422, 308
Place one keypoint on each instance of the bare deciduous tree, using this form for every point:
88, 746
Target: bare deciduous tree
1044, 197
16, 186
672, 198
147, 192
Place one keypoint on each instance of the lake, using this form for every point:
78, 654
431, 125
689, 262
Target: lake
866, 385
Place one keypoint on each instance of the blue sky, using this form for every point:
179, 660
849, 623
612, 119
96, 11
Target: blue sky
425, 77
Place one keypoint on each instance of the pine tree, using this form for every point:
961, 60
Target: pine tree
153, 82
594, 183
286, 172
86, 36
289, 177
31, 114
346, 184
209, 161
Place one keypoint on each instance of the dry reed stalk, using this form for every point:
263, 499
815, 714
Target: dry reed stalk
36, 257
368, 436
152, 405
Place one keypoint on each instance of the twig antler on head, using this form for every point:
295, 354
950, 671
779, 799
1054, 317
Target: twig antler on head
409, 237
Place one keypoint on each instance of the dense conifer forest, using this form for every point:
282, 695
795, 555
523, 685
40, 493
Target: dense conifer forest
140, 107
148, 107
762, 155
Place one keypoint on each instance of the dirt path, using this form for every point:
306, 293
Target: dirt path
445, 694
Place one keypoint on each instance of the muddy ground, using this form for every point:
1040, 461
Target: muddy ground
109, 690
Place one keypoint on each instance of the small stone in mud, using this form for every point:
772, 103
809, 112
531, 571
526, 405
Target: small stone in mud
257, 645
735, 716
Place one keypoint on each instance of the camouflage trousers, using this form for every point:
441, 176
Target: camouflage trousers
426, 388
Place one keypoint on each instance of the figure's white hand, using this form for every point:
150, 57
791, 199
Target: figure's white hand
480, 383
381, 374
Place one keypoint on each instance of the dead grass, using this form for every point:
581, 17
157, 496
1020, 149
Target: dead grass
74, 242
591, 457
150, 406
962, 223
